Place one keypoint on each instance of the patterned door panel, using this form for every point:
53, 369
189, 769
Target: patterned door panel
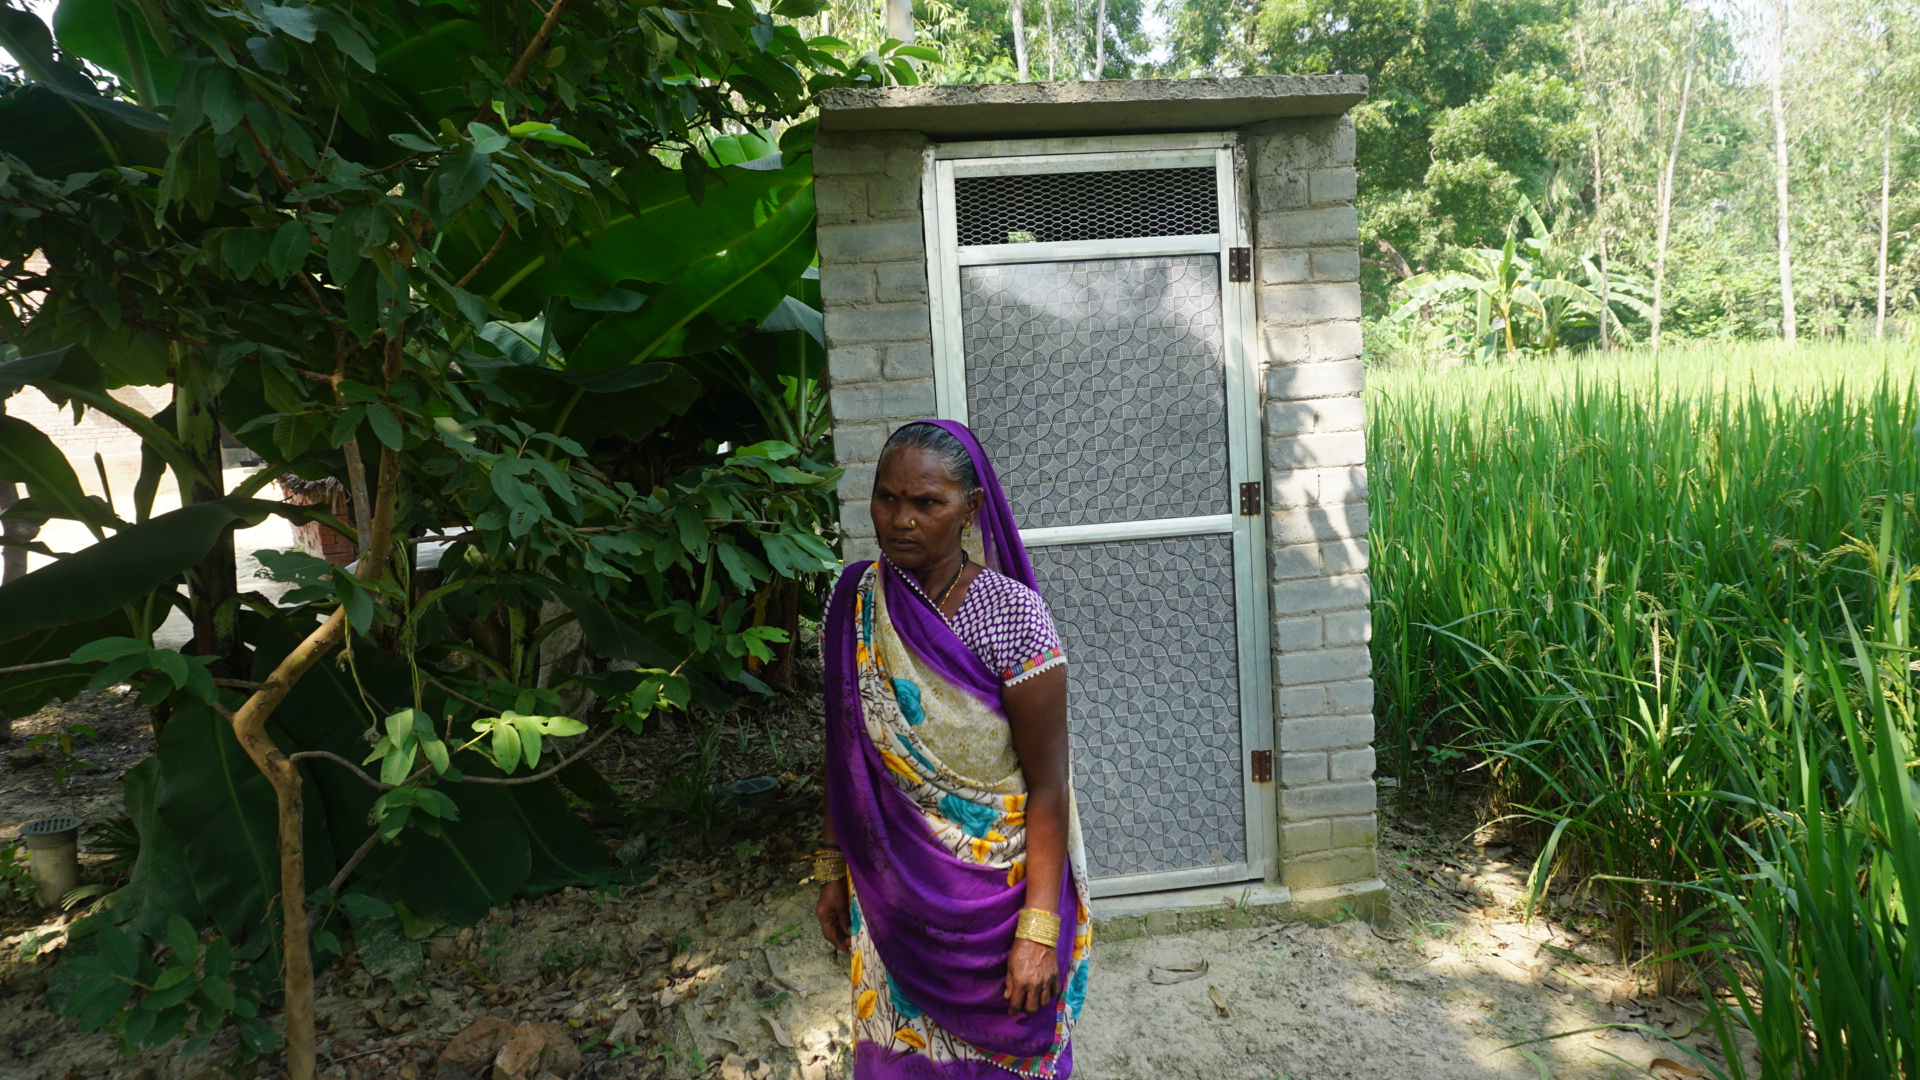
1154, 689
1098, 389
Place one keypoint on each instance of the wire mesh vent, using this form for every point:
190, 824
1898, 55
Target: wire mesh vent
1045, 207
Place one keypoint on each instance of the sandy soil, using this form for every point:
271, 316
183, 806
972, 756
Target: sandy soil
716, 968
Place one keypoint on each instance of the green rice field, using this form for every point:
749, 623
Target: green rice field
1659, 609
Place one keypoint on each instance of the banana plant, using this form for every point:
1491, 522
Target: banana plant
1518, 296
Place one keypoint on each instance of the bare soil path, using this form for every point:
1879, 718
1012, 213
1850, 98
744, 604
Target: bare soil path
716, 969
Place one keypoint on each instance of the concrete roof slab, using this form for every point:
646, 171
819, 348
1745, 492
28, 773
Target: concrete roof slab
1107, 107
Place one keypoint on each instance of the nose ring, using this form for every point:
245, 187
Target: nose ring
913, 524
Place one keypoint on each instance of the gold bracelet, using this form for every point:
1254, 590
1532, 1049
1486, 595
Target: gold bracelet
1040, 927
829, 865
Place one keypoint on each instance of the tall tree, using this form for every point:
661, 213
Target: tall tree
1019, 37
1666, 198
1789, 321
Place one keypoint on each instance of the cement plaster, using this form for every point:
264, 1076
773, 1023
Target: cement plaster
1001, 110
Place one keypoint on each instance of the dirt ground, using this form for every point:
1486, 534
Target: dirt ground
715, 968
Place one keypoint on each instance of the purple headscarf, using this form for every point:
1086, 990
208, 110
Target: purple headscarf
942, 926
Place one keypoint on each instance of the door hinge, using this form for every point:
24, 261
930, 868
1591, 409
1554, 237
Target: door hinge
1250, 499
1262, 766
1239, 264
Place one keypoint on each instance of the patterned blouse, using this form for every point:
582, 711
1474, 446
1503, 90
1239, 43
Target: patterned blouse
1006, 625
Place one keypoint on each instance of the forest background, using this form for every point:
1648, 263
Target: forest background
1648, 138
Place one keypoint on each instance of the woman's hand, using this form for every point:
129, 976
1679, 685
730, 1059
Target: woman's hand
1033, 977
835, 915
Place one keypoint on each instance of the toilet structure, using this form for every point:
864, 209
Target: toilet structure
1144, 297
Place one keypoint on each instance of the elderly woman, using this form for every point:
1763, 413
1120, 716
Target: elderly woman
951, 869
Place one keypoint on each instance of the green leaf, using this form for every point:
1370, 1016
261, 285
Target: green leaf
222, 808
28, 370
363, 906
460, 177
386, 425
119, 952
476, 863
100, 31
529, 729
397, 765
652, 238
486, 140
245, 249
126, 566
112, 648
289, 248
28, 456
184, 941
729, 293
171, 664
506, 746
563, 139
159, 889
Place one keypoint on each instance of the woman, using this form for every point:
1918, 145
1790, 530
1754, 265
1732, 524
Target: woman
951, 869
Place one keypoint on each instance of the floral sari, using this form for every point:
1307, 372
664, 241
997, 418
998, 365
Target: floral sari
928, 802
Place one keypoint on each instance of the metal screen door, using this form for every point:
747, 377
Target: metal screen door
1084, 328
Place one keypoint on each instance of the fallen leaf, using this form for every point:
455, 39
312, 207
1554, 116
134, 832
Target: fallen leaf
1673, 1066
779, 1033
1167, 976
1219, 1000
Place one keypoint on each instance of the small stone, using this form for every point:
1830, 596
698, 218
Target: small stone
474, 1048
536, 1049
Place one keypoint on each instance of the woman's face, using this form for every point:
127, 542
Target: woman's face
917, 511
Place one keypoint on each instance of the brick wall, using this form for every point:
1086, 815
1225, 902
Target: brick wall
1308, 298
873, 287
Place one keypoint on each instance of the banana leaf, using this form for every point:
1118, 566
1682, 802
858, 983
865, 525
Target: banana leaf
125, 567
220, 806
715, 299
160, 885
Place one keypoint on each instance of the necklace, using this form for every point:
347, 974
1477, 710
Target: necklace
948, 591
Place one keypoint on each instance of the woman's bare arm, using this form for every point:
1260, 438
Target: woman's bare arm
834, 908
1037, 710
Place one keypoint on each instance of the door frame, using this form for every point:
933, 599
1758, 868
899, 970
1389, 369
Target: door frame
1246, 461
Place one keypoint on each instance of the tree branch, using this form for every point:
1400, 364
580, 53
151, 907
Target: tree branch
499, 781
474, 271
366, 847
534, 47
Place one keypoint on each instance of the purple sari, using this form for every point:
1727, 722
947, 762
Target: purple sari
939, 913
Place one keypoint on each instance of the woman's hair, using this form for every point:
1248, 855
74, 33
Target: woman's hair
945, 448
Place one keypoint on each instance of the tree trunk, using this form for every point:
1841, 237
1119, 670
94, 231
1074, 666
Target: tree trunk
1886, 195
1052, 47
215, 599
1100, 42
1666, 202
900, 21
1599, 203
1789, 324
1020, 38
250, 729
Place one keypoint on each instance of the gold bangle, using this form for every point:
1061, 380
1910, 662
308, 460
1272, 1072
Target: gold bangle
828, 866
1040, 927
